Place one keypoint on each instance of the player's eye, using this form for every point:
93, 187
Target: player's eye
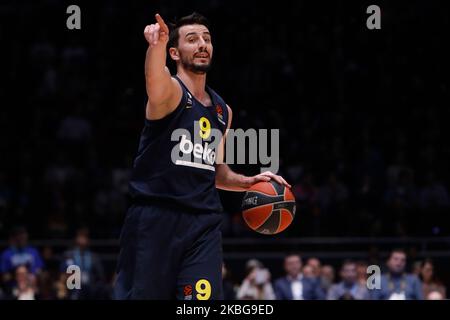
207, 40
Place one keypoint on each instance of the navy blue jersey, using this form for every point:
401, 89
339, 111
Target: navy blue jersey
178, 166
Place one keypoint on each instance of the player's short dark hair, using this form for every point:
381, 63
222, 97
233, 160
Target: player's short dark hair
193, 18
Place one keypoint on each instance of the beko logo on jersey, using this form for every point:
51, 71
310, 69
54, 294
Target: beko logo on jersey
201, 151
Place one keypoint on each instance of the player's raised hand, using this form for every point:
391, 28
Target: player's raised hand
157, 34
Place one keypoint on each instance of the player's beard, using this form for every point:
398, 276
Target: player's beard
194, 67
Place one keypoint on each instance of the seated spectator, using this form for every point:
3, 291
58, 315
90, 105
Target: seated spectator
315, 265
417, 267
46, 286
434, 295
256, 286
396, 284
24, 287
92, 274
361, 271
227, 285
349, 288
308, 272
19, 253
326, 277
429, 281
296, 286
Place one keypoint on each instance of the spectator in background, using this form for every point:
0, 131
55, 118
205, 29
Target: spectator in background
24, 285
417, 268
430, 283
396, 284
327, 276
316, 266
361, 271
349, 288
308, 271
227, 285
19, 253
256, 285
92, 274
46, 286
296, 286
434, 295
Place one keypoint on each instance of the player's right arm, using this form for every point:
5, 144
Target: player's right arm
164, 92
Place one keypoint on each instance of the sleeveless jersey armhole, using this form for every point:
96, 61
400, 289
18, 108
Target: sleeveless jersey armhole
225, 112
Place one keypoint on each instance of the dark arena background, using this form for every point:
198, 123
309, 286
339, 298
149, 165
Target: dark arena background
363, 117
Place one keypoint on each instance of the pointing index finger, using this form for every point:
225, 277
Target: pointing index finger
162, 24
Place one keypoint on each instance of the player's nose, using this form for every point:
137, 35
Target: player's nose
202, 44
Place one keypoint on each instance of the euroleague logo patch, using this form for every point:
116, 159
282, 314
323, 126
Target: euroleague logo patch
219, 111
187, 291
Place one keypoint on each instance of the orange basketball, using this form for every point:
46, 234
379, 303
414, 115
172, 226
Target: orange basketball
268, 207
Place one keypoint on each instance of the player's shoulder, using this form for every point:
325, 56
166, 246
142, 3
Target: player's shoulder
177, 83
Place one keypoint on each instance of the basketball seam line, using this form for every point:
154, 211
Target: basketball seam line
279, 222
266, 218
292, 215
270, 204
274, 189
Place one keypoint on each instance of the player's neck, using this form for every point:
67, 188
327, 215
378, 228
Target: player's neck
196, 83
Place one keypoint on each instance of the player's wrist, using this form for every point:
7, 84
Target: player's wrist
246, 182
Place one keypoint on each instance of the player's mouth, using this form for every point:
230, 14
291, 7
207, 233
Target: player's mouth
202, 55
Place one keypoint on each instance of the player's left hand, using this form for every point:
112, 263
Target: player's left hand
267, 176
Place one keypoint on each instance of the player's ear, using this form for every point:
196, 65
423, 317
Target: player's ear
174, 54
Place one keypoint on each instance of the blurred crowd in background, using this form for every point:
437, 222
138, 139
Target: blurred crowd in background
31, 274
362, 117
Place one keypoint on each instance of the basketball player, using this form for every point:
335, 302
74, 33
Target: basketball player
171, 241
